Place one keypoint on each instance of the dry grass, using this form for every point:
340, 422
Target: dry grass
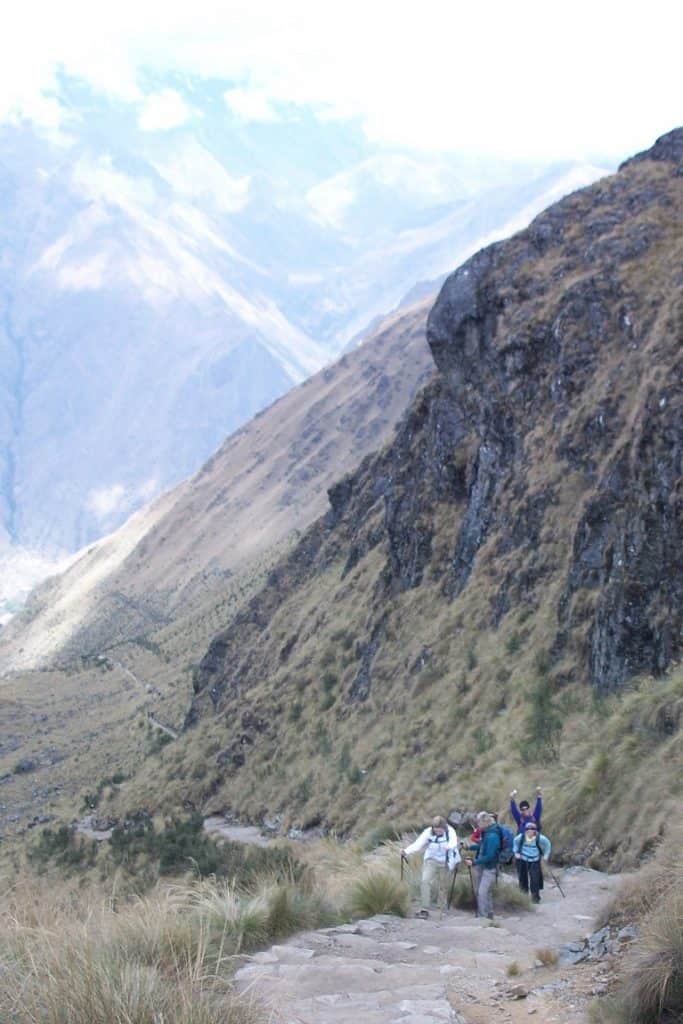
650, 989
653, 985
151, 960
548, 957
653, 886
169, 955
377, 892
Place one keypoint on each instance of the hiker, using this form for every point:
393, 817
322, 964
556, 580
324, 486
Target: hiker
531, 848
523, 813
485, 863
506, 855
440, 843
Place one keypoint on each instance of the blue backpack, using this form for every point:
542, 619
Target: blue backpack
507, 854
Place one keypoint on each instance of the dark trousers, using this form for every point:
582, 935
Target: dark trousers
530, 876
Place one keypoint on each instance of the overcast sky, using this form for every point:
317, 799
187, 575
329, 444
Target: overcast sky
517, 79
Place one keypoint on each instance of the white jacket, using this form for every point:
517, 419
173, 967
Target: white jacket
443, 849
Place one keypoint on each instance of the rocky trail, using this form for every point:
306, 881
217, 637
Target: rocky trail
450, 968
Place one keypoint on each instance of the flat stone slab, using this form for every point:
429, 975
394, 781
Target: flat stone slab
292, 954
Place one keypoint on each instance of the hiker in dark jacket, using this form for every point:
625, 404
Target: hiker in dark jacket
531, 849
523, 813
485, 863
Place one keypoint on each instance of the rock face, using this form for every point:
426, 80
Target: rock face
531, 499
522, 355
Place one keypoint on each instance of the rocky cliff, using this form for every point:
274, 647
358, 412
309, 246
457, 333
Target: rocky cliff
518, 543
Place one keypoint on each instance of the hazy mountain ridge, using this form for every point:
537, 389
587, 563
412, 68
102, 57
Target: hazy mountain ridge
160, 285
267, 480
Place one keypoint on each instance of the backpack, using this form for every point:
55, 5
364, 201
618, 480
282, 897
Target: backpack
506, 854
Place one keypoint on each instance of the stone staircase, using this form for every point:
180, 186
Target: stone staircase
451, 968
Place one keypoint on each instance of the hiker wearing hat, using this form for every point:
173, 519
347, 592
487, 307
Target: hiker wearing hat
485, 863
530, 849
523, 813
440, 844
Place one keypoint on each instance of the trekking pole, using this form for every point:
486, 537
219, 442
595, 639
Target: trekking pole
555, 880
474, 895
452, 889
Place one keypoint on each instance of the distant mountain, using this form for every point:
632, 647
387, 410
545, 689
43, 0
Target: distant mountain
268, 481
165, 276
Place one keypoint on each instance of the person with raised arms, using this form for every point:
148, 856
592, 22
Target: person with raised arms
523, 813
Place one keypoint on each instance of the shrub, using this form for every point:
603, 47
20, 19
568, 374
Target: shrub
182, 845
328, 682
382, 833
377, 892
327, 701
513, 969
514, 643
483, 738
506, 895
64, 847
295, 711
548, 957
543, 721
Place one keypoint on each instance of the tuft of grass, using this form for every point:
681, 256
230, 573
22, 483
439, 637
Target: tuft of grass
508, 896
548, 957
652, 990
377, 892
513, 969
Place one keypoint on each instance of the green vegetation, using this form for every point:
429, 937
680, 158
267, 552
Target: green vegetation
182, 845
543, 723
91, 800
378, 892
63, 847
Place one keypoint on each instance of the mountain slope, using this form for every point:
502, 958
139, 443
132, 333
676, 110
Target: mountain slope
492, 579
267, 480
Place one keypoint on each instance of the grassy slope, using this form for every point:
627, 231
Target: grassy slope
460, 730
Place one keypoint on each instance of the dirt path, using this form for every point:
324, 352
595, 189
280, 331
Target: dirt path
218, 826
451, 968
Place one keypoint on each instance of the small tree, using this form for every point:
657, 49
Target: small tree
543, 721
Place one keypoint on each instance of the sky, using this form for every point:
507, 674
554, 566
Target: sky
525, 80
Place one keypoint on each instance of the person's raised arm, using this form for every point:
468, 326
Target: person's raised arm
538, 806
514, 809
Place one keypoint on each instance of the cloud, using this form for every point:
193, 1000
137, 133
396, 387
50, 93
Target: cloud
536, 81
251, 104
104, 501
162, 111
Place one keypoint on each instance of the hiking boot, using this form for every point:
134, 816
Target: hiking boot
535, 899
424, 914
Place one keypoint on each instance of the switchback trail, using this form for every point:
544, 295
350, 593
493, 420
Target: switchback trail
453, 969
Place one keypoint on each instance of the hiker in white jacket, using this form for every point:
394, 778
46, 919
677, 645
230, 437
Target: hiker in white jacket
440, 844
